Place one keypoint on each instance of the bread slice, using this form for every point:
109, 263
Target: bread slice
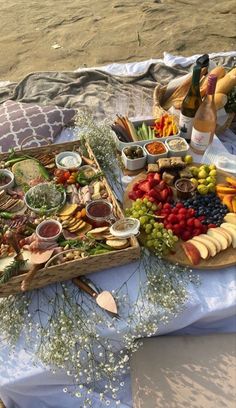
25, 171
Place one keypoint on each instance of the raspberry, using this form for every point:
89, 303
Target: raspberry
190, 222
183, 211
182, 224
173, 219
179, 205
186, 235
197, 223
191, 212
167, 206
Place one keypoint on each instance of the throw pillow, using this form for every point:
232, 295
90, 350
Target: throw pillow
19, 120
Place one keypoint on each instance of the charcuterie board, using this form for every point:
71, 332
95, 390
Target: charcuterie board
222, 259
50, 210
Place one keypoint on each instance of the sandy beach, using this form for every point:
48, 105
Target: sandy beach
58, 35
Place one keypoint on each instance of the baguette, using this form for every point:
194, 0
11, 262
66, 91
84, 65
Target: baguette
226, 84
219, 72
220, 100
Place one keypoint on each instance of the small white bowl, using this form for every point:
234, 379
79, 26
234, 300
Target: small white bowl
74, 160
152, 158
9, 174
88, 168
134, 164
179, 153
52, 238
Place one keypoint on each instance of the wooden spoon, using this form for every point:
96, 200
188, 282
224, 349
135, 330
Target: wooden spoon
104, 299
37, 259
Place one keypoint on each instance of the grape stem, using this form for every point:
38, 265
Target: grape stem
154, 216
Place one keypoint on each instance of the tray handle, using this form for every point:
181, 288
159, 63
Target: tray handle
36, 138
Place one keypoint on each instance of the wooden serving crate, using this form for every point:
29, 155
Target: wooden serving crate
72, 269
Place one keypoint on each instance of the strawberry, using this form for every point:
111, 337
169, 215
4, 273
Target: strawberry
139, 194
150, 176
164, 194
155, 194
162, 185
132, 195
145, 186
136, 186
157, 176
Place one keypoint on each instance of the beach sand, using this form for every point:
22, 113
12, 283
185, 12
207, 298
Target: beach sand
92, 33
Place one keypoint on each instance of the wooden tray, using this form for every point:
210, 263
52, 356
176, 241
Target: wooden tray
79, 267
221, 260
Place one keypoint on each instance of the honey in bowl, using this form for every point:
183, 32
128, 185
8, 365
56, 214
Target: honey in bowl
99, 213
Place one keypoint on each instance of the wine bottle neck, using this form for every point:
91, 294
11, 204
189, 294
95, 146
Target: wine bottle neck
211, 85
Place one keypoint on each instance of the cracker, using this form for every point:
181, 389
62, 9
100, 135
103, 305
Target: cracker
117, 243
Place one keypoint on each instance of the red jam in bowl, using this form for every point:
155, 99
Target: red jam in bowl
99, 212
49, 229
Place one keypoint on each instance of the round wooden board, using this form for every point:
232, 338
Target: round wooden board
221, 260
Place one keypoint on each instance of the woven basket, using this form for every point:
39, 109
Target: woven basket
72, 269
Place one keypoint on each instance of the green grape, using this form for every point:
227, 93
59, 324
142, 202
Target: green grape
135, 214
152, 221
148, 228
143, 220
138, 201
154, 207
145, 200
149, 204
149, 243
159, 234
141, 212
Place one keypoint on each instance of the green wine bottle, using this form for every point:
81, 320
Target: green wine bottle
190, 105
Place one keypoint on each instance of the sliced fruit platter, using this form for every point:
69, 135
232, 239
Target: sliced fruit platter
56, 211
185, 212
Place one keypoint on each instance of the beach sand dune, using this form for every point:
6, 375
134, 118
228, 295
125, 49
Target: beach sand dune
88, 33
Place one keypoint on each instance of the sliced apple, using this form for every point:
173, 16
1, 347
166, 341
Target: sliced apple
232, 232
214, 241
204, 239
228, 224
226, 234
191, 252
202, 248
212, 232
230, 217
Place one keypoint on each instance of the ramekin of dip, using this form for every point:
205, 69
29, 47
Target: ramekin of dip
177, 146
68, 160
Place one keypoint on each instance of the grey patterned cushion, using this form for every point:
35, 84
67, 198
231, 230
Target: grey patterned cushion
21, 120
